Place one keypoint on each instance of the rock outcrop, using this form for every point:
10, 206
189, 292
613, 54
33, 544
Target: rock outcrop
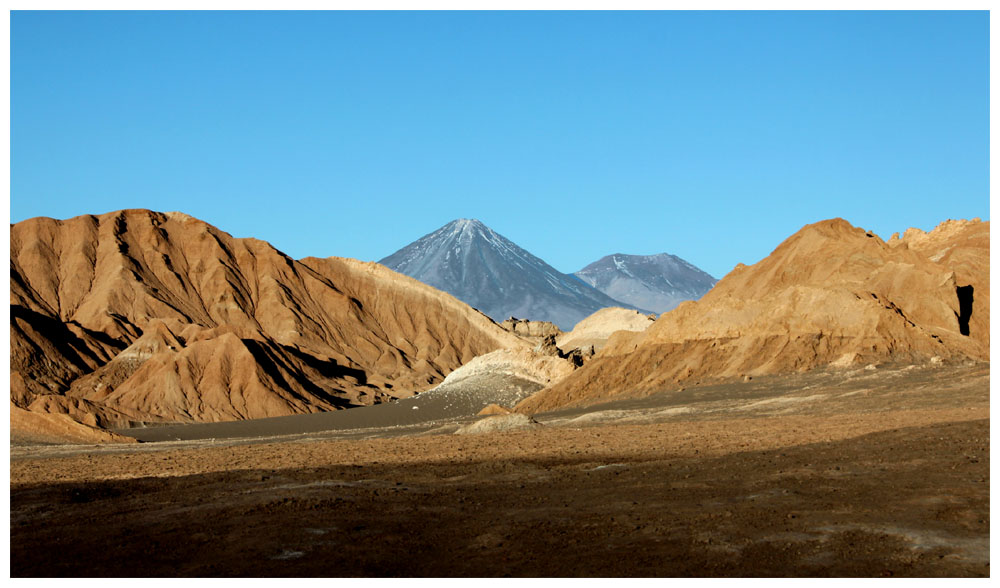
531, 330
593, 332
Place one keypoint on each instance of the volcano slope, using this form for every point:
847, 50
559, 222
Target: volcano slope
138, 316
492, 273
830, 294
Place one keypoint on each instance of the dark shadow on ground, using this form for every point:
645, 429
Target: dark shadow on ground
906, 502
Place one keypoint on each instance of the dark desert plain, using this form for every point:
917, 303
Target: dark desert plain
865, 473
824, 412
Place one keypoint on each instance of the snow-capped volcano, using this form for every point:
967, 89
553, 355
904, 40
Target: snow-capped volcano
658, 282
482, 268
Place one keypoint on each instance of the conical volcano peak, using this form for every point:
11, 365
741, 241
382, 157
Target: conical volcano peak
464, 223
483, 268
466, 228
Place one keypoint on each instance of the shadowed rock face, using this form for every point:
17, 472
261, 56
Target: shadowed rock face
830, 294
477, 265
145, 316
658, 282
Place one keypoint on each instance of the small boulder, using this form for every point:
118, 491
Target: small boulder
494, 409
507, 422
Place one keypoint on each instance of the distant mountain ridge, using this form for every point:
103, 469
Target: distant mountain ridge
486, 270
658, 282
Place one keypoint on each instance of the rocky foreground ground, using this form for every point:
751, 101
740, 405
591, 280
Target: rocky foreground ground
879, 472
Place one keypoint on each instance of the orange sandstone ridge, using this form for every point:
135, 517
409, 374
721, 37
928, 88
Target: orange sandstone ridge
830, 294
140, 316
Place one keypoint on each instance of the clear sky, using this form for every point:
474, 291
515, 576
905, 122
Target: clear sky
709, 135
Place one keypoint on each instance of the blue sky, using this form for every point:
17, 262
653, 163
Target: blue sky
709, 135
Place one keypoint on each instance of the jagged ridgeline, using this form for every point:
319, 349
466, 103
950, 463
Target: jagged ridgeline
140, 316
831, 294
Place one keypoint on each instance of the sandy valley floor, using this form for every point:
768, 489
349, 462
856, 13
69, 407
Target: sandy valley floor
870, 472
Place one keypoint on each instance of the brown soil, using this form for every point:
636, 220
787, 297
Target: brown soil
853, 473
